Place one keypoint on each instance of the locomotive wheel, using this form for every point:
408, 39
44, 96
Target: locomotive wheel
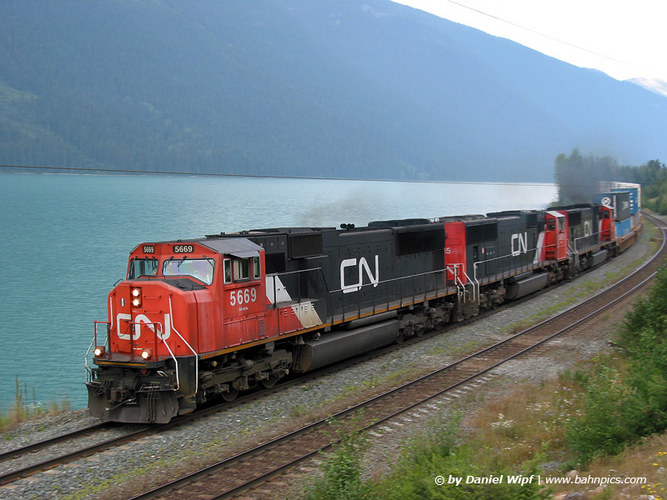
269, 382
230, 395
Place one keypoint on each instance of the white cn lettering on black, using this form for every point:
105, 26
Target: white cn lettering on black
519, 244
363, 267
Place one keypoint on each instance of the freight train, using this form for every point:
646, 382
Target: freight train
205, 319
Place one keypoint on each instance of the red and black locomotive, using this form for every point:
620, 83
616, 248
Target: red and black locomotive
207, 318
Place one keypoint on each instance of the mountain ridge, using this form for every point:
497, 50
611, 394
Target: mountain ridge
291, 87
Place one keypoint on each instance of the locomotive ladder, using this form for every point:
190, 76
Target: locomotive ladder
466, 292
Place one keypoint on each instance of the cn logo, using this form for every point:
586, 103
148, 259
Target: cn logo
142, 319
362, 267
519, 244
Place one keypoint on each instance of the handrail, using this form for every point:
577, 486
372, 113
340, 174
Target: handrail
171, 324
178, 380
454, 269
399, 278
509, 256
474, 282
285, 273
332, 293
514, 256
591, 246
289, 273
276, 277
375, 300
155, 326
89, 373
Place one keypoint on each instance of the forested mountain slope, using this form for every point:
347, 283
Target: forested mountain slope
294, 87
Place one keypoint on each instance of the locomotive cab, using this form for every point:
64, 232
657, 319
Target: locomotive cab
607, 227
556, 240
153, 312
244, 297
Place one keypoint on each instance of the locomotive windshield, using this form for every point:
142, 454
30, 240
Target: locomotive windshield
142, 267
201, 269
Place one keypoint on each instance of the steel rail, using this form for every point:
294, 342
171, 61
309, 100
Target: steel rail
9, 477
33, 447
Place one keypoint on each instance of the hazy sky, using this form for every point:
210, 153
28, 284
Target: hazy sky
624, 38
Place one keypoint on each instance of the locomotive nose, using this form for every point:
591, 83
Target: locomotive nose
137, 320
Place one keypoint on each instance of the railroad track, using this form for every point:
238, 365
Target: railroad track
49, 453
46, 454
254, 468
45, 459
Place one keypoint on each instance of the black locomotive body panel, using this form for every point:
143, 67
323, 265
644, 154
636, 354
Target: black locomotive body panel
372, 268
504, 244
583, 221
583, 233
342, 272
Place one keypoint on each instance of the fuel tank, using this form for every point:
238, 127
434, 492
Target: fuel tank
337, 346
526, 286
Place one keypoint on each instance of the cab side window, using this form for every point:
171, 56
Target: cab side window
241, 269
256, 271
142, 267
228, 271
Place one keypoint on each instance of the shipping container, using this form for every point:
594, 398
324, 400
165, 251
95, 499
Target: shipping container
619, 202
623, 228
634, 198
608, 186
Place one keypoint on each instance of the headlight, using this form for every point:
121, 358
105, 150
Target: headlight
99, 351
146, 354
136, 297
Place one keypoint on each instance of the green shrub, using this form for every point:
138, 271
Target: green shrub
609, 418
342, 471
623, 405
431, 464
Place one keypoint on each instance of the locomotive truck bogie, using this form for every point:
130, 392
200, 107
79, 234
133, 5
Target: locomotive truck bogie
226, 376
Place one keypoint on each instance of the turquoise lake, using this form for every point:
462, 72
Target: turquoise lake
65, 241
